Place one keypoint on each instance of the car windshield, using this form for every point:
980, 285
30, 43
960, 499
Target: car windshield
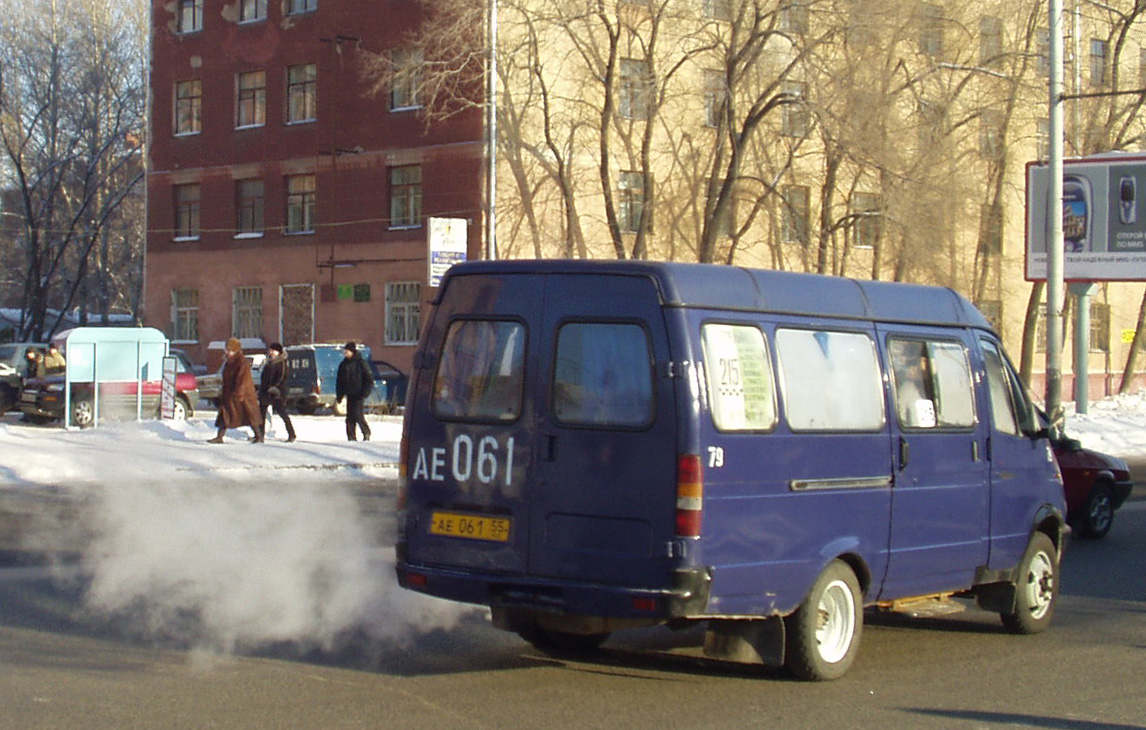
9, 354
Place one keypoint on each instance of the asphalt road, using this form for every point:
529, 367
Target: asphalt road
63, 666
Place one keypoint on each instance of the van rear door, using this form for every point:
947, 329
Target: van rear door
603, 498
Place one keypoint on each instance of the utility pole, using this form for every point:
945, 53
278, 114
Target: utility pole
1054, 216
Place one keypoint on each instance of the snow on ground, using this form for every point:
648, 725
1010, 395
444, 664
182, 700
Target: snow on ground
238, 545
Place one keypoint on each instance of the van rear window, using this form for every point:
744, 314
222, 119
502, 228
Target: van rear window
831, 381
603, 375
479, 375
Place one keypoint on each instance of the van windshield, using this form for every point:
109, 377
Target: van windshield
479, 375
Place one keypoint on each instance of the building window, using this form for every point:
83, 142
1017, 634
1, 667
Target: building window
1097, 62
931, 30
188, 107
252, 10
794, 216
718, 9
402, 313
302, 93
633, 94
794, 119
406, 196
251, 105
866, 222
794, 17
187, 211
185, 315
300, 200
991, 135
715, 96
1042, 138
1042, 52
990, 41
190, 16
249, 205
247, 312
302, 6
1099, 327
406, 83
631, 201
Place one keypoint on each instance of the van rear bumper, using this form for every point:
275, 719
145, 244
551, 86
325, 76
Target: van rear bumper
686, 593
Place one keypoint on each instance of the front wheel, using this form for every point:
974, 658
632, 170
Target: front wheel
83, 412
823, 634
1098, 512
182, 409
1036, 588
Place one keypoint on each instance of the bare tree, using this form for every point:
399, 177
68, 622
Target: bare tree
72, 114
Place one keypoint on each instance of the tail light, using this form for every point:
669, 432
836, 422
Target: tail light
403, 457
689, 495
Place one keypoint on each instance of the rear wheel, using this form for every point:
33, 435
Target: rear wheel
83, 413
1036, 588
1098, 512
182, 408
823, 634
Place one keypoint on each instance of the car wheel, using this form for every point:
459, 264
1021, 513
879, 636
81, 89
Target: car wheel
182, 409
823, 634
1098, 512
83, 413
1036, 588
307, 409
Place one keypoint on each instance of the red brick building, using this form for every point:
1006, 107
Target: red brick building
285, 202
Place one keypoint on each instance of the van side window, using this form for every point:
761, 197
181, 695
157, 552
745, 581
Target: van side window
932, 384
831, 381
1008, 405
479, 374
741, 393
603, 375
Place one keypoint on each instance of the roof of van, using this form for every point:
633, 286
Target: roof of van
711, 286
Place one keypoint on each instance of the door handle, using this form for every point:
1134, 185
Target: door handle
904, 453
549, 447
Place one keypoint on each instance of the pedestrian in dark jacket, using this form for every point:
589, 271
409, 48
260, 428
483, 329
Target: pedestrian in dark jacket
355, 382
272, 387
238, 401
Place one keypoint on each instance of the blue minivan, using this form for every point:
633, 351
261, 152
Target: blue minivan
594, 446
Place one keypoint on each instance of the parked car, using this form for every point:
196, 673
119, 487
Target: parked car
42, 399
198, 368
1095, 484
13, 367
314, 372
211, 385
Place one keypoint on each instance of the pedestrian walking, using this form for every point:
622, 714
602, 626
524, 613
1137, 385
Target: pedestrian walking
238, 401
355, 382
272, 388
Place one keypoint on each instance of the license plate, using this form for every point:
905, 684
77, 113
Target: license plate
474, 527
28, 396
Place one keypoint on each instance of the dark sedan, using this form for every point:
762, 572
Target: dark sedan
1096, 485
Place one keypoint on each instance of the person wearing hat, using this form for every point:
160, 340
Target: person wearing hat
355, 382
238, 401
272, 388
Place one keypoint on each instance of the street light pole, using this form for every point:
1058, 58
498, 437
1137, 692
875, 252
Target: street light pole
1054, 221
491, 137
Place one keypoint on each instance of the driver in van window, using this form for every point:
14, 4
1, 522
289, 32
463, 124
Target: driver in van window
915, 406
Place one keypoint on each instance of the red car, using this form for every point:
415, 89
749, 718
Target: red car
1096, 484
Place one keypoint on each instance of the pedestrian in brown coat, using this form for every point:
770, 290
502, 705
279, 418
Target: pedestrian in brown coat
238, 401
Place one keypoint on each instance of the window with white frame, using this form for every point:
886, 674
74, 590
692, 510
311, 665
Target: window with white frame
631, 201
247, 312
402, 312
252, 10
1098, 53
991, 135
406, 79
794, 17
190, 16
866, 225
185, 315
249, 206
186, 198
302, 93
1042, 52
931, 22
718, 9
300, 201
251, 99
302, 6
1099, 327
188, 107
406, 196
634, 89
794, 117
794, 214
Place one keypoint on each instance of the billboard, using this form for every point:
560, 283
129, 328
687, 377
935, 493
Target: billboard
1103, 219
